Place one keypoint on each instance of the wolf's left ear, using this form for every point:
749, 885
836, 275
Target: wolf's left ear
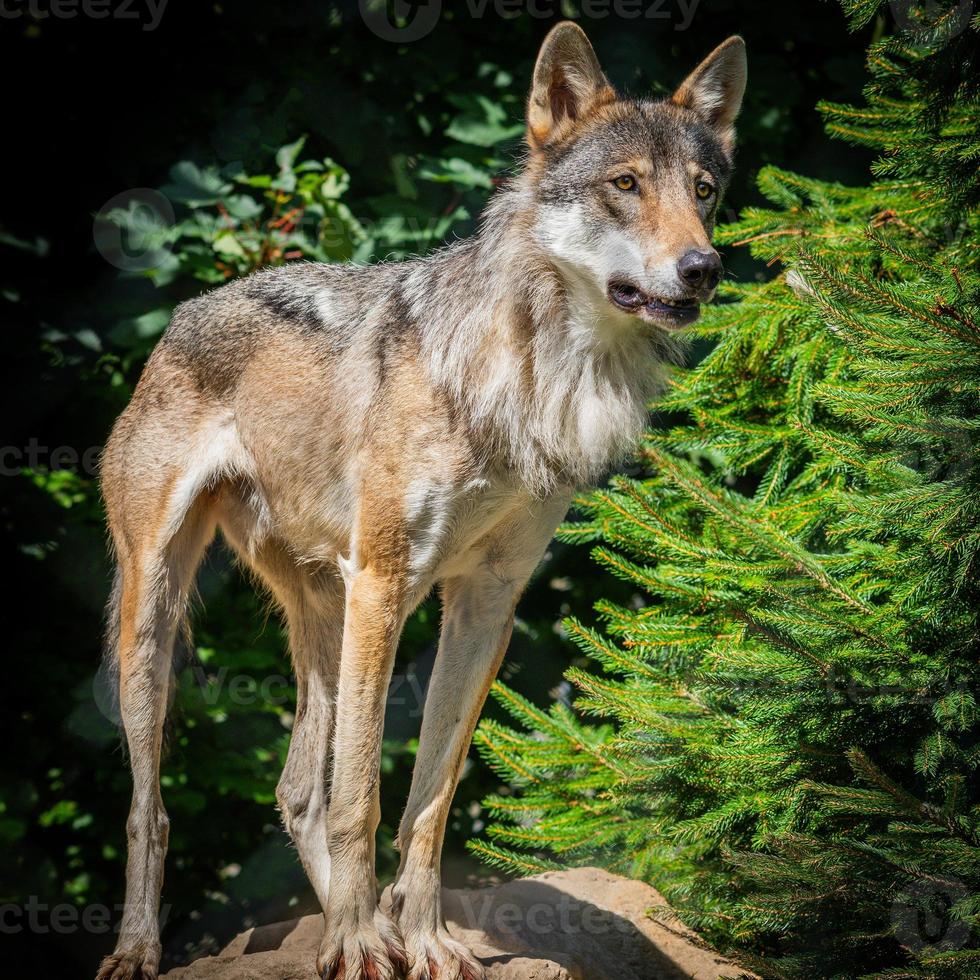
715, 88
568, 84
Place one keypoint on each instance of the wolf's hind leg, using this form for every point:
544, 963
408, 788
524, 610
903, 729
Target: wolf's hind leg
153, 580
316, 628
312, 599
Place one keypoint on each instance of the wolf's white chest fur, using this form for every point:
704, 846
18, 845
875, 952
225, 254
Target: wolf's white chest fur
448, 526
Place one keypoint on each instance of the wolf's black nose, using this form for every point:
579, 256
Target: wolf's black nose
700, 268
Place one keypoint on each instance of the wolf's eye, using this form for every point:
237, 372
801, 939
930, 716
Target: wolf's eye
704, 190
625, 182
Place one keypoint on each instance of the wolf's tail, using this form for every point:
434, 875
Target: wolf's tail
107, 679
107, 693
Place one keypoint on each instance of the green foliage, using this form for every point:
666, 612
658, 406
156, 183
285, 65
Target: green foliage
788, 740
233, 223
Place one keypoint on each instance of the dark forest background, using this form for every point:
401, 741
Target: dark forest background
97, 108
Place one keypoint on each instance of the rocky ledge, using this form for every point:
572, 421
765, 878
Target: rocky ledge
583, 924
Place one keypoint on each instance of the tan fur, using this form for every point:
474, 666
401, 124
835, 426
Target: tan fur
363, 435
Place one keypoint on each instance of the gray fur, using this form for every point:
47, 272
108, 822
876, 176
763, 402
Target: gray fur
363, 434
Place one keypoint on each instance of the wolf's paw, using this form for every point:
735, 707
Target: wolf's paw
437, 956
373, 952
138, 963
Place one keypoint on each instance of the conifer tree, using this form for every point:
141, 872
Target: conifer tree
783, 735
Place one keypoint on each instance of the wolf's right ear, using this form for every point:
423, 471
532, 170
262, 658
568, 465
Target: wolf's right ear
568, 84
715, 88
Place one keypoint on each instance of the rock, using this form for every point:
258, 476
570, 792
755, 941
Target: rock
584, 924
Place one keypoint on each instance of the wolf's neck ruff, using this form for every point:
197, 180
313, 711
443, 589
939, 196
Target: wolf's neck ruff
536, 360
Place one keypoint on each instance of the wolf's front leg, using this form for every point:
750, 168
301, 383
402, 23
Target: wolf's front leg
478, 615
359, 943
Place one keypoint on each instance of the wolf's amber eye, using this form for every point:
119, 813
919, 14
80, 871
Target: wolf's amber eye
625, 182
703, 189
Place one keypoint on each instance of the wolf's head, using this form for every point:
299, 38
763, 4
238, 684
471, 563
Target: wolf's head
626, 191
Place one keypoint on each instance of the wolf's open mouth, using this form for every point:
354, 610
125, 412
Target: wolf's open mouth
659, 309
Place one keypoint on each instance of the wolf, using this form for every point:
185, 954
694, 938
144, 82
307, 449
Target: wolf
362, 435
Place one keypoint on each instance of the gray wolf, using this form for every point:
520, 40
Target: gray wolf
361, 435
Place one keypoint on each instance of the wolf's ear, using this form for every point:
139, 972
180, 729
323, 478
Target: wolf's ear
568, 84
715, 88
